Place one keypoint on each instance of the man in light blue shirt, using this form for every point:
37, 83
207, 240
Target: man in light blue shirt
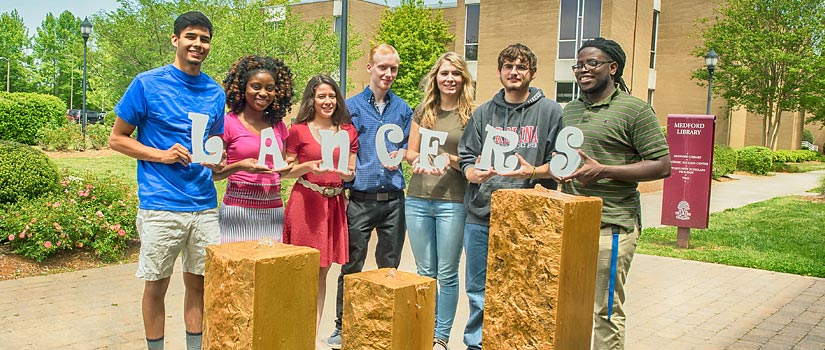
377, 193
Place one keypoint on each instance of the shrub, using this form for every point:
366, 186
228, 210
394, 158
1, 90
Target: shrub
89, 212
22, 114
109, 119
64, 138
70, 137
794, 156
807, 135
755, 159
25, 172
97, 136
724, 161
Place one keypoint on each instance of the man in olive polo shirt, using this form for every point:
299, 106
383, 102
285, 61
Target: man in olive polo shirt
623, 145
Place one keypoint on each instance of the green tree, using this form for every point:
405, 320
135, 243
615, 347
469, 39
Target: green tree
14, 39
771, 57
271, 28
58, 53
136, 37
420, 35
131, 39
813, 96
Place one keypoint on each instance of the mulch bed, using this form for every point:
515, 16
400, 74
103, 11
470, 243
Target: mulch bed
13, 266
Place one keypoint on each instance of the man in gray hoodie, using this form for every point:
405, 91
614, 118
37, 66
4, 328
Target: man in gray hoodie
536, 120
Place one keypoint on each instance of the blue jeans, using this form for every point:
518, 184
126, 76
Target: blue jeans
475, 249
436, 231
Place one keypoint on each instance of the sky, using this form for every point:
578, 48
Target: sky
34, 11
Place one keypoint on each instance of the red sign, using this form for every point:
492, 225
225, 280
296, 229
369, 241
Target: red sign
686, 196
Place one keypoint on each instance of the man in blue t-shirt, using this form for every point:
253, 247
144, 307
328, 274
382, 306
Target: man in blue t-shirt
177, 212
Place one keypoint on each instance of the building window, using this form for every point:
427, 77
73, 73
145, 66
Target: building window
650, 96
579, 20
566, 91
339, 21
653, 39
471, 33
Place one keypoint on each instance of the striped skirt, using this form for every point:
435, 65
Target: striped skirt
250, 224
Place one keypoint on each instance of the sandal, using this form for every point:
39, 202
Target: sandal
440, 344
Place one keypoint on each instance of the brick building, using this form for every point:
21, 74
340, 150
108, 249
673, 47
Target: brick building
657, 35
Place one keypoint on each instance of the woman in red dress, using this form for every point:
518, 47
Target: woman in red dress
316, 214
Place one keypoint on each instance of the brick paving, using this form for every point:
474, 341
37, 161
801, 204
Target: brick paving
672, 304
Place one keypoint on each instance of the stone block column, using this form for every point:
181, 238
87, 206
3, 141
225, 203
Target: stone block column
541, 270
260, 297
386, 309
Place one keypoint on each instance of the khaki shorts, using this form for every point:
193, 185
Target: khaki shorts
165, 234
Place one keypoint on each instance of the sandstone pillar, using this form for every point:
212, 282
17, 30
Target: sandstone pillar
260, 297
541, 270
387, 309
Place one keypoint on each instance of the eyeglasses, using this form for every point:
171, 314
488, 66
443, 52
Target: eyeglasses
589, 64
509, 67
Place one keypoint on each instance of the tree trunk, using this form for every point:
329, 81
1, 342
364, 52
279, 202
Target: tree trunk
777, 120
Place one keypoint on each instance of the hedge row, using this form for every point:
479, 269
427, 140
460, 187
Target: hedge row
22, 114
756, 159
70, 137
796, 156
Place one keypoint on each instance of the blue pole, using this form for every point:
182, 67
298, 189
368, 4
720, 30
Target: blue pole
614, 259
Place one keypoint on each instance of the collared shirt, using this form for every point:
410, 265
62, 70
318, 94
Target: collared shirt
621, 129
370, 174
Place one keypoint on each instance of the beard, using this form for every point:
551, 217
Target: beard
194, 62
596, 88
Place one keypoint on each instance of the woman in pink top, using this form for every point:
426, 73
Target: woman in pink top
258, 94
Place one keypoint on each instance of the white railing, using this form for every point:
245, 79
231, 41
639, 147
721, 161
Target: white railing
810, 146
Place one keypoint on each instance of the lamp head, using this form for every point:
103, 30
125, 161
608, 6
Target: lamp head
86, 28
711, 59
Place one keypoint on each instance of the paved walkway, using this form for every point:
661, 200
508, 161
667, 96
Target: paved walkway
672, 304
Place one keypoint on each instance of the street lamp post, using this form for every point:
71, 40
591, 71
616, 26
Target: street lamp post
85, 30
342, 58
710, 60
8, 71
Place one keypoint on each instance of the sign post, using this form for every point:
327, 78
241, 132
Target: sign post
686, 194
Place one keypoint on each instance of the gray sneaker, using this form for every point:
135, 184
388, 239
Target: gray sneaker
334, 340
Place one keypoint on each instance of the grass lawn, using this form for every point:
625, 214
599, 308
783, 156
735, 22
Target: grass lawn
808, 166
116, 165
785, 234
124, 167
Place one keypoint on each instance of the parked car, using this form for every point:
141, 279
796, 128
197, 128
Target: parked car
92, 117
